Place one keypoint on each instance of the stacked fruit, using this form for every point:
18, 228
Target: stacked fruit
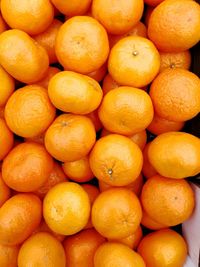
83, 85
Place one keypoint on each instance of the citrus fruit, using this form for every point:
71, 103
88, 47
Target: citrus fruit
116, 160
3, 26
95, 120
109, 84
8, 256
50, 73
150, 223
6, 139
153, 2
116, 213
70, 137
174, 202
37, 139
72, 8
147, 169
5, 191
156, 247
147, 14
8, 84
66, 208
99, 74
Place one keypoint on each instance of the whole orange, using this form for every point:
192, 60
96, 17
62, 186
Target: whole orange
8, 256
5, 191
109, 84
126, 110
72, 8
19, 217
6, 139
175, 154
26, 61
116, 160
174, 202
80, 248
30, 16
52, 71
8, 84
82, 44
29, 111
75, 93
116, 213
149, 223
118, 17
175, 94
147, 169
126, 62
174, 25
66, 208
40, 249
163, 248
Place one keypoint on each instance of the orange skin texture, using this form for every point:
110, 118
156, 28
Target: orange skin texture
82, 44
2, 112
70, 137
19, 217
38, 139
27, 61
93, 193
109, 84
138, 30
110, 13
6, 139
174, 25
75, 93
40, 249
47, 39
8, 256
80, 248
3, 26
131, 241
116, 254
160, 125
147, 169
174, 202
29, 111
56, 176
175, 60
116, 160
5, 193
72, 8
175, 94
8, 84
149, 223
116, 213
156, 247
52, 71
126, 110
27, 167
32, 17
99, 74
126, 62
78, 171
153, 2
175, 155
95, 120
66, 208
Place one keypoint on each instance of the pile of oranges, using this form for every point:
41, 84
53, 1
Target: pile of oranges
83, 84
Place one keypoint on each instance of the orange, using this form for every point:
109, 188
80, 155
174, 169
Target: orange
109, 84
29, 111
8, 256
5, 191
66, 208
99, 74
175, 154
41, 249
37, 139
3, 26
153, 2
175, 60
164, 248
147, 169
135, 186
30, 16
19, 217
26, 61
119, 255
79, 170
70, 137
160, 125
93, 193
8, 84
118, 17
75, 93
139, 30
95, 120
82, 44
150, 223
80, 248
174, 25
6, 139
133, 240
27, 167
175, 94
72, 8
56, 176
52, 71
47, 39
147, 14
2, 112
126, 110
116, 160
116, 213
174, 202
126, 62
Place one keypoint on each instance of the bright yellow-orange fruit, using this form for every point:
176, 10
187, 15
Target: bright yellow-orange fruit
50, 73
149, 223
72, 8
5, 191
147, 169
6, 139
8, 256
3, 26
8, 85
